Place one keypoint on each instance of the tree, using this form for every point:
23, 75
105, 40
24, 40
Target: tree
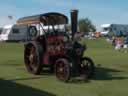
85, 25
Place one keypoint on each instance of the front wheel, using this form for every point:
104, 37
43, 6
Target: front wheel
62, 69
87, 67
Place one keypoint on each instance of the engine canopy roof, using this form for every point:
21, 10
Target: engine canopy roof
51, 18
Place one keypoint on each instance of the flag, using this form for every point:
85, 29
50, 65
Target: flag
10, 17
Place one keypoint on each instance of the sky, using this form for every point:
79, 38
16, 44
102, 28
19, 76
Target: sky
98, 11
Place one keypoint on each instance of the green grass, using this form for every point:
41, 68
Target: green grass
111, 77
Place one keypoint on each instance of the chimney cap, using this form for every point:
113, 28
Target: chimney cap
74, 10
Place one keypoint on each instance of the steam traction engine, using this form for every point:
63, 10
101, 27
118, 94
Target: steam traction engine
55, 48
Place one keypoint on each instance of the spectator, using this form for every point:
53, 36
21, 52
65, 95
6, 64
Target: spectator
125, 46
118, 44
113, 41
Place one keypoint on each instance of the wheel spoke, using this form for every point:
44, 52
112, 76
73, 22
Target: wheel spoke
32, 56
62, 70
87, 67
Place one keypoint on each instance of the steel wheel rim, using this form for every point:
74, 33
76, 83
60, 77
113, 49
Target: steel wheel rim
61, 70
31, 57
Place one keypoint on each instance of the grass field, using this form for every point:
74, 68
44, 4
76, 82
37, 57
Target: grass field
111, 76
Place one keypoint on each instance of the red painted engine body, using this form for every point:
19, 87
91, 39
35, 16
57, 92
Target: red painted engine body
54, 47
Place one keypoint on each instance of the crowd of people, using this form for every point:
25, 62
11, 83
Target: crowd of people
119, 43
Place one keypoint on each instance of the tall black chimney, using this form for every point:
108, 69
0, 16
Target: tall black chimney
74, 17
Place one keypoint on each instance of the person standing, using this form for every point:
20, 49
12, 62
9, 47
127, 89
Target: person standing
125, 46
119, 44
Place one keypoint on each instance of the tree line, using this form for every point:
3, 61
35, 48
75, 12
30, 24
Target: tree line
85, 25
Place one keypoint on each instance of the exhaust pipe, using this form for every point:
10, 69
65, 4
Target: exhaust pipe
74, 21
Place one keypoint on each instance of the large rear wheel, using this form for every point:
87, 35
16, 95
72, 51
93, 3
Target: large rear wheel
62, 69
33, 57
